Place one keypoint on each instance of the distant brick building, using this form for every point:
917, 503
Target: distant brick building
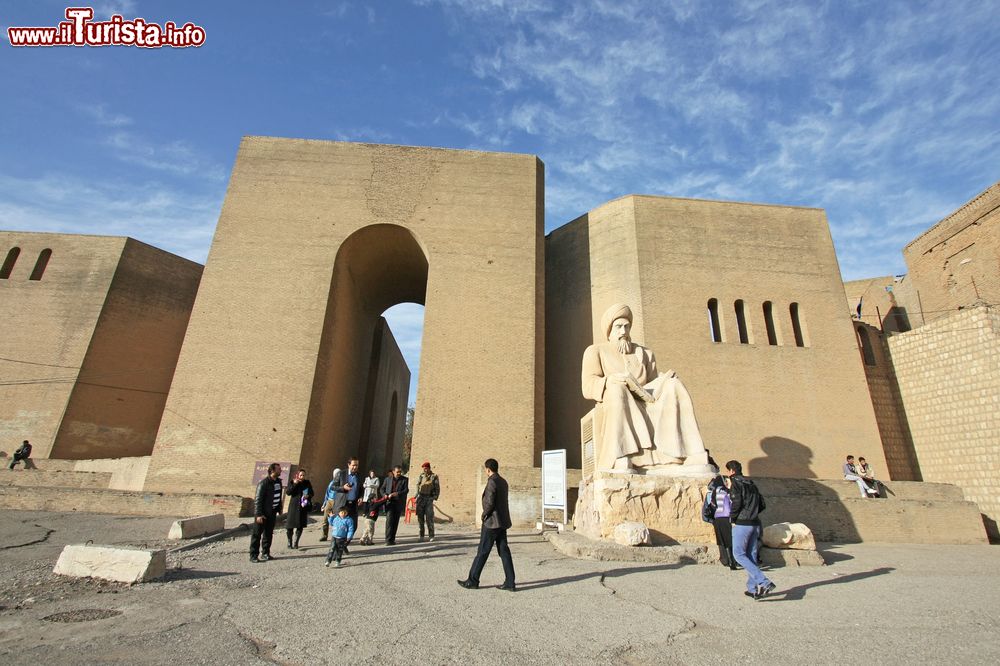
935, 380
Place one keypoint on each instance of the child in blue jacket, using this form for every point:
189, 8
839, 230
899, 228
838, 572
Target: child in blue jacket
341, 533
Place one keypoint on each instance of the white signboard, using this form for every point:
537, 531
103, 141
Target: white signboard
554, 482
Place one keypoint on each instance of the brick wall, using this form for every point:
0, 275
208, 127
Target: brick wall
949, 380
957, 261
883, 385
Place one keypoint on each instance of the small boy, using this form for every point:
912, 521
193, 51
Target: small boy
341, 533
372, 508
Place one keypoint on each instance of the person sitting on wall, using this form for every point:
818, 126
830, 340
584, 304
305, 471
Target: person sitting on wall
865, 472
851, 474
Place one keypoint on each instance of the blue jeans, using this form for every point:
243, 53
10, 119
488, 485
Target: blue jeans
745, 545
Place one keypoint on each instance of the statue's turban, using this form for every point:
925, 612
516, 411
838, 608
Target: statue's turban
616, 311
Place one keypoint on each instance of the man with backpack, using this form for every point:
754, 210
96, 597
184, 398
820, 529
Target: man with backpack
746, 503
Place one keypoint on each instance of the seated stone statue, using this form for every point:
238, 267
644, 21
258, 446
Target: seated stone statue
644, 418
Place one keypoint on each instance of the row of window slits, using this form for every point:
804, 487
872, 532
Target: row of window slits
743, 327
40, 264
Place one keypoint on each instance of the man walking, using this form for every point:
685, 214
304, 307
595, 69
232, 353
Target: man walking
267, 505
496, 521
342, 492
428, 490
23, 453
395, 488
746, 503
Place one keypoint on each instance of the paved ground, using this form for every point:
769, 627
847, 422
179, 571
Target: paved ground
872, 604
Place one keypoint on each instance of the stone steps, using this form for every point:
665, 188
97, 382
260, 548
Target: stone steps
44, 479
910, 512
123, 502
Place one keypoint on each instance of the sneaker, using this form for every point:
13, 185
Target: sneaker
327, 563
431, 539
338, 564
322, 538
254, 560
765, 590
421, 539
752, 595
265, 558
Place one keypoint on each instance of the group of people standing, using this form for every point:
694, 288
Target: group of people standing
733, 505
347, 496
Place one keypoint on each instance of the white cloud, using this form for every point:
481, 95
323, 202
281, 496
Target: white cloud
167, 218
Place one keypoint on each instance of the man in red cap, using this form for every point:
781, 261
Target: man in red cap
428, 490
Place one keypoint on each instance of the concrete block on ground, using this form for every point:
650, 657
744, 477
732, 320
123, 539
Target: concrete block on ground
190, 528
122, 565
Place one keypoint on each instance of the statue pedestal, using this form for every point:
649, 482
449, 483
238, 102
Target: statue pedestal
670, 506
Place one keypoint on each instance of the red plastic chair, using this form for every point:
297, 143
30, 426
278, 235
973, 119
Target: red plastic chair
411, 508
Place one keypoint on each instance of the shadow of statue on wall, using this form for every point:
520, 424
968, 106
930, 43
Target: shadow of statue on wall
783, 457
786, 480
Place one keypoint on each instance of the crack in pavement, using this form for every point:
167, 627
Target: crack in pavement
45, 538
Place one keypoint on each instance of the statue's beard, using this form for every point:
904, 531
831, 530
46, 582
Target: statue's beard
624, 345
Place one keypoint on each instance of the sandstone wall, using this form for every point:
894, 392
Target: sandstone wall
49, 324
949, 381
115, 407
385, 406
883, 385
957, 261
315, 241
783, 408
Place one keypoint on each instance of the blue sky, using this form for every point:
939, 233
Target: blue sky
886, 114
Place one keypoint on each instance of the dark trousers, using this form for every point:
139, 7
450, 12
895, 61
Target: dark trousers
16, 459
392, 513
724, 537
425, 515
352, 512
337, 549
488, 537
260, 538
298, 535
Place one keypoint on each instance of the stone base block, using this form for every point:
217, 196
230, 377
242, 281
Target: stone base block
670, 507
787, 557
789, 535
190, 528
122, 565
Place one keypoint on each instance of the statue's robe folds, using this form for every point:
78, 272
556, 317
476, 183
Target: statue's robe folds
650, 433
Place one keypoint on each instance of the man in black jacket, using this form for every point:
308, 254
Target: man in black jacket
23, 453
496, 521
747, 503
267, 505
395, 487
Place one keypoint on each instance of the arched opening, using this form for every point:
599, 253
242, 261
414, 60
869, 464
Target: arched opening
772, 333
867, 353
361, 387
8, 263
43, 261
714, 324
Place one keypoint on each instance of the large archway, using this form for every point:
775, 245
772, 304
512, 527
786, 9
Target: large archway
360, 389
315, 240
